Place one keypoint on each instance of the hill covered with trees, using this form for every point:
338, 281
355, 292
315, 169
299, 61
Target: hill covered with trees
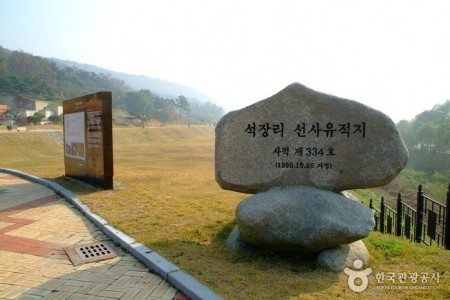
46, 79
158, 86
427, 137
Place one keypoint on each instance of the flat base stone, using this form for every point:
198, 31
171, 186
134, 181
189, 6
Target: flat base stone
343, 256
302, 219
240, 248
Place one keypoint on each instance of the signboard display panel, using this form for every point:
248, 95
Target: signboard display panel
74, 137
88, 151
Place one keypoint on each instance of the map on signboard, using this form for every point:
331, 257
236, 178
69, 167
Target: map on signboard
74, 135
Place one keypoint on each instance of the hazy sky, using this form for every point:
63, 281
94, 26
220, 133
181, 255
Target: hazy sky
391, 55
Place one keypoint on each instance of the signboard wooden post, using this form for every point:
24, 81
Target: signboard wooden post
88, 149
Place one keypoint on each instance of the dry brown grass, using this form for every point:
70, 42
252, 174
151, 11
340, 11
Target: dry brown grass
167, 198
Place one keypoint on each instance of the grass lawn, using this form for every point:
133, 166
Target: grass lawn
166, 197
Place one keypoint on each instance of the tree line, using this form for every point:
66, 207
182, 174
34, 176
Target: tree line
39, 78
427, 137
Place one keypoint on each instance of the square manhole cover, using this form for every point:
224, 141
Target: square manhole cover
92, 252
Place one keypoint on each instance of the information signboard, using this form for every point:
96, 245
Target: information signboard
88, 150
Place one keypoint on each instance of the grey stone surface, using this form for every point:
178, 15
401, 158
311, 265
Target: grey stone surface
96, 219
323, 151
81, 207
159, 264
193, 289
66, 193
235, 244
302, 219
342, 256
139, 251
118, 236
58, 188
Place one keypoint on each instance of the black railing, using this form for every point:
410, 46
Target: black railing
426, 223
377, 215
409, 215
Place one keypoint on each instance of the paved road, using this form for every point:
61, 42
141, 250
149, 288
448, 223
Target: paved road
32, 130
35, 226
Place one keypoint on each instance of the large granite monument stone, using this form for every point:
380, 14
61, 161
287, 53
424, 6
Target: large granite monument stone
296, 151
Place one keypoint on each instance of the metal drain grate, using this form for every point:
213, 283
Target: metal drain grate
91, 252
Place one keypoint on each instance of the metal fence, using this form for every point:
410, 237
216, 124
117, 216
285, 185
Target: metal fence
428, 222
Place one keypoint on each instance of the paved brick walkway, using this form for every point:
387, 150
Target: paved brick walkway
35, 226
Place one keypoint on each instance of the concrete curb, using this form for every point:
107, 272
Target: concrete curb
182, 281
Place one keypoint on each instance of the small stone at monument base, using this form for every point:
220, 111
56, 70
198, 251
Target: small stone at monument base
302, 219
236, 245
343, 256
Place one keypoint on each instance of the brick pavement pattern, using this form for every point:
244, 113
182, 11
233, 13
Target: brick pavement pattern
35, 226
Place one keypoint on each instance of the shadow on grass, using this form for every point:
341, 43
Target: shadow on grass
265, 275
74, 185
